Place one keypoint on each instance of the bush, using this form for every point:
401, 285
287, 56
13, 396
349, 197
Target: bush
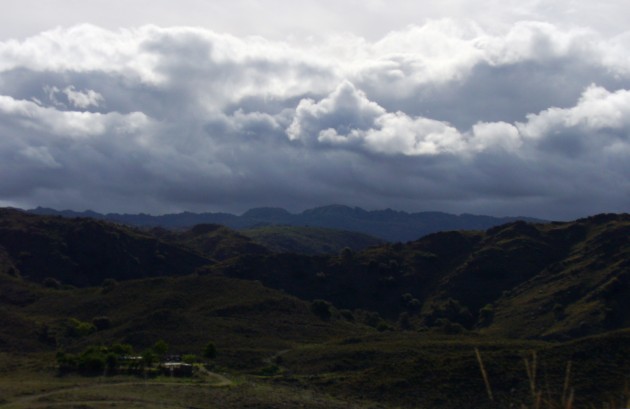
66, 362
452, 311
346, 254
101, 323
50, 282
108, 285
322, 309
347, 315
92, 360
210, 351
486, 315
404, 321
160, 348
190, 359
450, 328
79, 329
383, 326
122, 349
410, 303
148, 357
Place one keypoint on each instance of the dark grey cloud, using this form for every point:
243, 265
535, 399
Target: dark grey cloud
434, 117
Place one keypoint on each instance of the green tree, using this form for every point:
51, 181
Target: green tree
160, 348
148, 357
122, 349
190, 359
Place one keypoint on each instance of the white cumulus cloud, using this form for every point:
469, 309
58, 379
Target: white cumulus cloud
449, 114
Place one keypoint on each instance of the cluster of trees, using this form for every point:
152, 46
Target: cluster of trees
122, 357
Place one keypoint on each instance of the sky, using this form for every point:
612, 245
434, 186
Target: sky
462, 106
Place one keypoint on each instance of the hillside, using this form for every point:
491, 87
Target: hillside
309, 240
391, 326
280, 341
559, 279
245, 320
85, 252
386, 224
211, 240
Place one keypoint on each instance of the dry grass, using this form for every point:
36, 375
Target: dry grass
543, 398
32, 390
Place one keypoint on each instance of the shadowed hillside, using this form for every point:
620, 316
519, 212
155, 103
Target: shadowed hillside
309, 240
559, 278
212, 241
85, 251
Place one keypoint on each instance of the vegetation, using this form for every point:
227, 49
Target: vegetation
309, 240
521, 315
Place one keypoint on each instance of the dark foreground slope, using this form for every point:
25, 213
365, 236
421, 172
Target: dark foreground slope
266, 337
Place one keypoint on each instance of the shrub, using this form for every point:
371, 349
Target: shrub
383, 326
322, 309
347, 315
78, 329
122, 349
450, 328
50, 282
66, 362
148, 357
108, 285
92, 360
190, 359
160, 348
450, 310
210, 351
404, 321
101, 323
346, 254
486, 315
410, 303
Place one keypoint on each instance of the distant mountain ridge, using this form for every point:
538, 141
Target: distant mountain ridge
388, 224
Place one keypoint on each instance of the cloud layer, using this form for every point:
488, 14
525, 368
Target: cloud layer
452, 116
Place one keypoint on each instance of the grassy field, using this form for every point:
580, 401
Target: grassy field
26, 388
378, 370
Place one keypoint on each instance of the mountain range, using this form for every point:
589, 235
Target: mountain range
390, 225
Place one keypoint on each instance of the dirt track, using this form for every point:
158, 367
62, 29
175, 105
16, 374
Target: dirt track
47, 399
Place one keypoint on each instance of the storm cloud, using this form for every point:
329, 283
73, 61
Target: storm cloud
532, 119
